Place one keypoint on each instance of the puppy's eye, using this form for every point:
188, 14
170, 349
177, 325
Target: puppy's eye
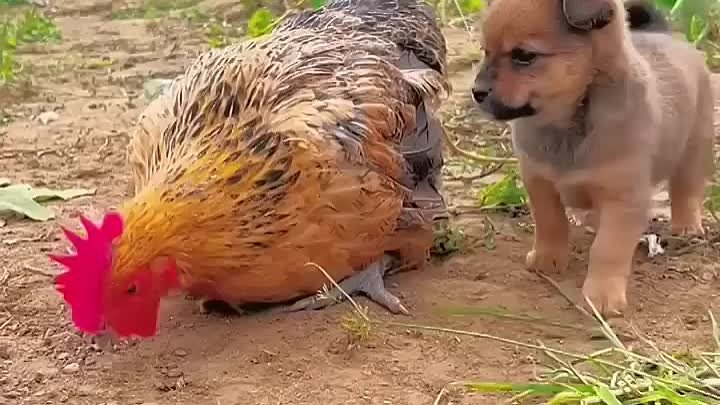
522, 57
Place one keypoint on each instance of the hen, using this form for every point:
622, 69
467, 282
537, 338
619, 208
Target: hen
318, 143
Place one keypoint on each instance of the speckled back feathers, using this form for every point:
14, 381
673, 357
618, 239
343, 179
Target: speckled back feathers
257, 129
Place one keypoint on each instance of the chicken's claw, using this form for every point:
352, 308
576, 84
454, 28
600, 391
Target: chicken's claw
211, 306
369, 281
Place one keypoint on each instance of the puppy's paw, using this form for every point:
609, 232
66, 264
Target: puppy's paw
548, 260
687, 227
686, 217
607, 294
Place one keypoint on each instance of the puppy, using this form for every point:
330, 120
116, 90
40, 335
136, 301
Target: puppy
604, 106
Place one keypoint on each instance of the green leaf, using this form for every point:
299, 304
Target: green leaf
316, 4
712, 201
13, 2
568, 398
535, 389
472, 6
260, 23
19, 199
446, 239
506, 192
23, 199
47, 194
697, 26
665, 4
35, 27
607, 396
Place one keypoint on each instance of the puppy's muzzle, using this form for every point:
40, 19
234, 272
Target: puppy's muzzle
499, 110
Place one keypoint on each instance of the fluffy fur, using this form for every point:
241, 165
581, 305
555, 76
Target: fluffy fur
601, 114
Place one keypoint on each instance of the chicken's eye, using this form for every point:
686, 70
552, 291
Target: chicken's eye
132, 289
521, 57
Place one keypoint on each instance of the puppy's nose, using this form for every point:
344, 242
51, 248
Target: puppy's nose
479, 95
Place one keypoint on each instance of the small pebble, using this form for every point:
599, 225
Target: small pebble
174, 373
12, 394
180, 353
691, 320
85, 390
48, 116
4, 352
63, 356
46, 373
71, 368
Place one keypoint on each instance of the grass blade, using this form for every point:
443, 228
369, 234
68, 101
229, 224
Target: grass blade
607, 396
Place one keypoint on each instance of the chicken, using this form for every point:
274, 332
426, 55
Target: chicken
317, 143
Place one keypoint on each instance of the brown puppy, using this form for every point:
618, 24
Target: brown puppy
601, 114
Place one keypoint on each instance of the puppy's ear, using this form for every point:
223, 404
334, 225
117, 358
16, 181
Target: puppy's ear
587, 15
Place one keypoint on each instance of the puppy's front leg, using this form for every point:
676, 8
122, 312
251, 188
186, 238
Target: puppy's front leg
619, 229
550, 252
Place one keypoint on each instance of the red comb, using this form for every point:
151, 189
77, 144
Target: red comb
82, 284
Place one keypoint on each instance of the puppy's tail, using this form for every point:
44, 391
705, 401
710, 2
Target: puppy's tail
642, 15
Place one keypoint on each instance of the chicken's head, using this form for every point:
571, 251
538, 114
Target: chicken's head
100, 300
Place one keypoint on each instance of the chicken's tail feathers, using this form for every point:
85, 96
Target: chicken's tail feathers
423, 154
410, 24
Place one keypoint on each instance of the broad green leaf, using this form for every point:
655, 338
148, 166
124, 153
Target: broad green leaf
506, 192
47, 194
260, 23
23, 199
19, 199
606, 395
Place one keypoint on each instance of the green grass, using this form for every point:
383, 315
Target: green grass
507, 192
219, 35
620, 376
35, 27
699, 21
262, 20
27, 27
12, 3
150, 9
447, 239
615, 375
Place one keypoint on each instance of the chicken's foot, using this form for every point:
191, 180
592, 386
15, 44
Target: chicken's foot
369, 282
211, 306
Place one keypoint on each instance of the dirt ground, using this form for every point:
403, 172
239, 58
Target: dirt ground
93, 80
